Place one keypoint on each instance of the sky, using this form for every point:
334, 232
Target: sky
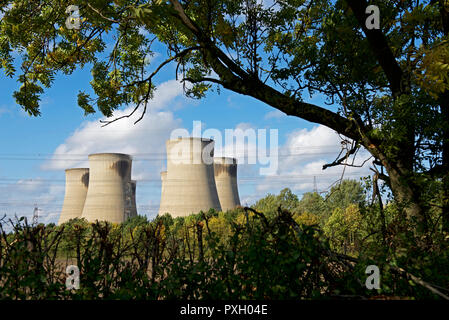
35, 151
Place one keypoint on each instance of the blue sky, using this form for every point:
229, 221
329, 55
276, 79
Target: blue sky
35, 151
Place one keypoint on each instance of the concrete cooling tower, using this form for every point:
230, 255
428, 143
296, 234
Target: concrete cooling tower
109, 197
76, 185
225, 170
189, 184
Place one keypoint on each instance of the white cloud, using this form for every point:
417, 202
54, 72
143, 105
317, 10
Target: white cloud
300, 158
141, 140
144, 139
309, 145
244, 149
301, 161
275, 114
7, 8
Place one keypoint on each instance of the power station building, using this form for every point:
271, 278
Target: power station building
190, 183
225, 171
194, 181
76, 185
110, 193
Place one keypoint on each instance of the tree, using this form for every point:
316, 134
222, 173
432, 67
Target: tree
286, 199
267, 204
312, 203
307, 218
348, 192
389, 87
344, 228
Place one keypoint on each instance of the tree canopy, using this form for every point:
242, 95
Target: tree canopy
386, 89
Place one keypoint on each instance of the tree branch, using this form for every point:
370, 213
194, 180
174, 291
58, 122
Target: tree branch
421, 282
380, 48
202, 80
101, 15
340, 161
237, 80
149, 80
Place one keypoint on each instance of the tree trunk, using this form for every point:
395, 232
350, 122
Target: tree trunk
407, 196
444, 104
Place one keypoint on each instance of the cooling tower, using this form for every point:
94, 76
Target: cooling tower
189, 184
225, 170
109, 197
76, 185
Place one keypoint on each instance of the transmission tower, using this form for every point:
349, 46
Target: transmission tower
35, 215
315, 188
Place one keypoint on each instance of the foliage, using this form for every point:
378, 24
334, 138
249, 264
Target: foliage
269, 204
344, 228
307, 218
314, 208
239, 254
313, 203
348, 192
189, 258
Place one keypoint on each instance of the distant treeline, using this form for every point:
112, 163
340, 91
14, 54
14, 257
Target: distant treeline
281, 248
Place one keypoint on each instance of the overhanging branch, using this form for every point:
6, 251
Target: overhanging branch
149, 80
379, 46
236, 79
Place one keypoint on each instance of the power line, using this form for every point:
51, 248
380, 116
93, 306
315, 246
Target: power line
280, 178
157, 153
162, 155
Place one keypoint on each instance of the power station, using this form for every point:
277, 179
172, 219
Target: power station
109, 196
76, 185
225, 170
189, 184
194, 181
